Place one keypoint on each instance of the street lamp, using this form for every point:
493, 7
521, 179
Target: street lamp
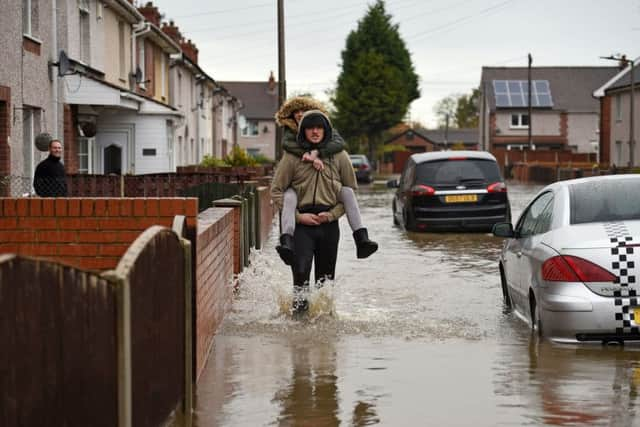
623, 59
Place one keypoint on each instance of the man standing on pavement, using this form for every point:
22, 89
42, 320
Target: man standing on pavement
316, 233
49, 179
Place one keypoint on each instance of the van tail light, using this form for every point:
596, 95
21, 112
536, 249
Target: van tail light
497, 187
567, 268
422, 190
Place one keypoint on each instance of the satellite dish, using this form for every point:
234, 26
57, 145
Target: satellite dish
42, 141
63, 64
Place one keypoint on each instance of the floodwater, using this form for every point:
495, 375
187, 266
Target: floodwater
415, 335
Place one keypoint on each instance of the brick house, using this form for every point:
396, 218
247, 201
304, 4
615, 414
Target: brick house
257, 125
28, 98
616, 147
423, 140
209, 110
565, 115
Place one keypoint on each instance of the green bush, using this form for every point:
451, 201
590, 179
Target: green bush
239, 157
261, 159
210, 161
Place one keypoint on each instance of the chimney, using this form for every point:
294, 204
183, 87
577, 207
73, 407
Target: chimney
190, 50
150, 13
272, 82
172, 31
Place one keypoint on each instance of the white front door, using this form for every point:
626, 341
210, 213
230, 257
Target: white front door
112, 153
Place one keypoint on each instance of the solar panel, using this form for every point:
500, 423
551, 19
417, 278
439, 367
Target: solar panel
515, 93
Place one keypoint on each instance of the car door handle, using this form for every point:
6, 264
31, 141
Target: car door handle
519, 254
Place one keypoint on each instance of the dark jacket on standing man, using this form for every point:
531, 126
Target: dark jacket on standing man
49, 179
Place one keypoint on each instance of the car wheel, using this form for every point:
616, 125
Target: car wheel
536, 321
409, 222
505, 290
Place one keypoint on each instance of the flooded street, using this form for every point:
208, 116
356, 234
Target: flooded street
417, 334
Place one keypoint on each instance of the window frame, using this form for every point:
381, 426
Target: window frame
525, 216
618, 107
255, 132
520, 121
88, 154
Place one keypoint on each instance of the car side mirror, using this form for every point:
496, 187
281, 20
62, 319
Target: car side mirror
503, 229
392, 183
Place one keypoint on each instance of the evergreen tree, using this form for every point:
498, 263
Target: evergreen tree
377, 82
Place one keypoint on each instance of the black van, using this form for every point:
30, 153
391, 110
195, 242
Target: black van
450, 190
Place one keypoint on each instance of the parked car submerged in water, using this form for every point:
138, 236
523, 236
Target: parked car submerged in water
569, 267
361, 167
450, 190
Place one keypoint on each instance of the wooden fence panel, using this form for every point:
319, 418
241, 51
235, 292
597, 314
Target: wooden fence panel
157, 293
58, 363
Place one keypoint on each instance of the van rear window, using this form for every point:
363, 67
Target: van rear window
455, 172
605, 200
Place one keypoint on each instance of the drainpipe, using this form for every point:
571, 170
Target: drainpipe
138, 30
54, 58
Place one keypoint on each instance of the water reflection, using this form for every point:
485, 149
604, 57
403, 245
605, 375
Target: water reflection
311, 396
564, 385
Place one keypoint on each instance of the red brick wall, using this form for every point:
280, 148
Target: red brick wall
5, 130
70, 140
605, 130
85, 233
214, 276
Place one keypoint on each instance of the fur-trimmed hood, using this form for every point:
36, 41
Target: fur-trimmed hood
284, 116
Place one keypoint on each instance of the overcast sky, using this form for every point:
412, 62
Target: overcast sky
449, 40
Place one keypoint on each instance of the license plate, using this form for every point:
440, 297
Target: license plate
461, 198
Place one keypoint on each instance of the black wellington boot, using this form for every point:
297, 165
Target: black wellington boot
364, 246
300, 303
285, 248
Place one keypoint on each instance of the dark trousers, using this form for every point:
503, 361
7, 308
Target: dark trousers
317, 244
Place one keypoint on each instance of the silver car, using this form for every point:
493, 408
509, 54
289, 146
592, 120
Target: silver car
569, 266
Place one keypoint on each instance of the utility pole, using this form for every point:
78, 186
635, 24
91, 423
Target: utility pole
529, 103
282, 81
632, 143
446, 132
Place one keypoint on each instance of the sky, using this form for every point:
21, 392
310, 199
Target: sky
449, 40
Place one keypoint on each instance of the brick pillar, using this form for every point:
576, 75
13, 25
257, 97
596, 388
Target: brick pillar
70, 152
237, 230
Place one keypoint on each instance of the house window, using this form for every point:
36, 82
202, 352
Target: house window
519, 121
30, 128
85, 45
618, 108
30, 17
121, 50
250, 129
85, 155
253, 152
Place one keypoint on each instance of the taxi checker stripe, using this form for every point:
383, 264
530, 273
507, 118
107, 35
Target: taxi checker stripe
624, 298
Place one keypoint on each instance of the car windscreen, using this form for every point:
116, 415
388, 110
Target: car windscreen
455, 172
605, 200
356, 161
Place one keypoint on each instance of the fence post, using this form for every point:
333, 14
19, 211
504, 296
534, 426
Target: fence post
188, 337
124, 347
180, 228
